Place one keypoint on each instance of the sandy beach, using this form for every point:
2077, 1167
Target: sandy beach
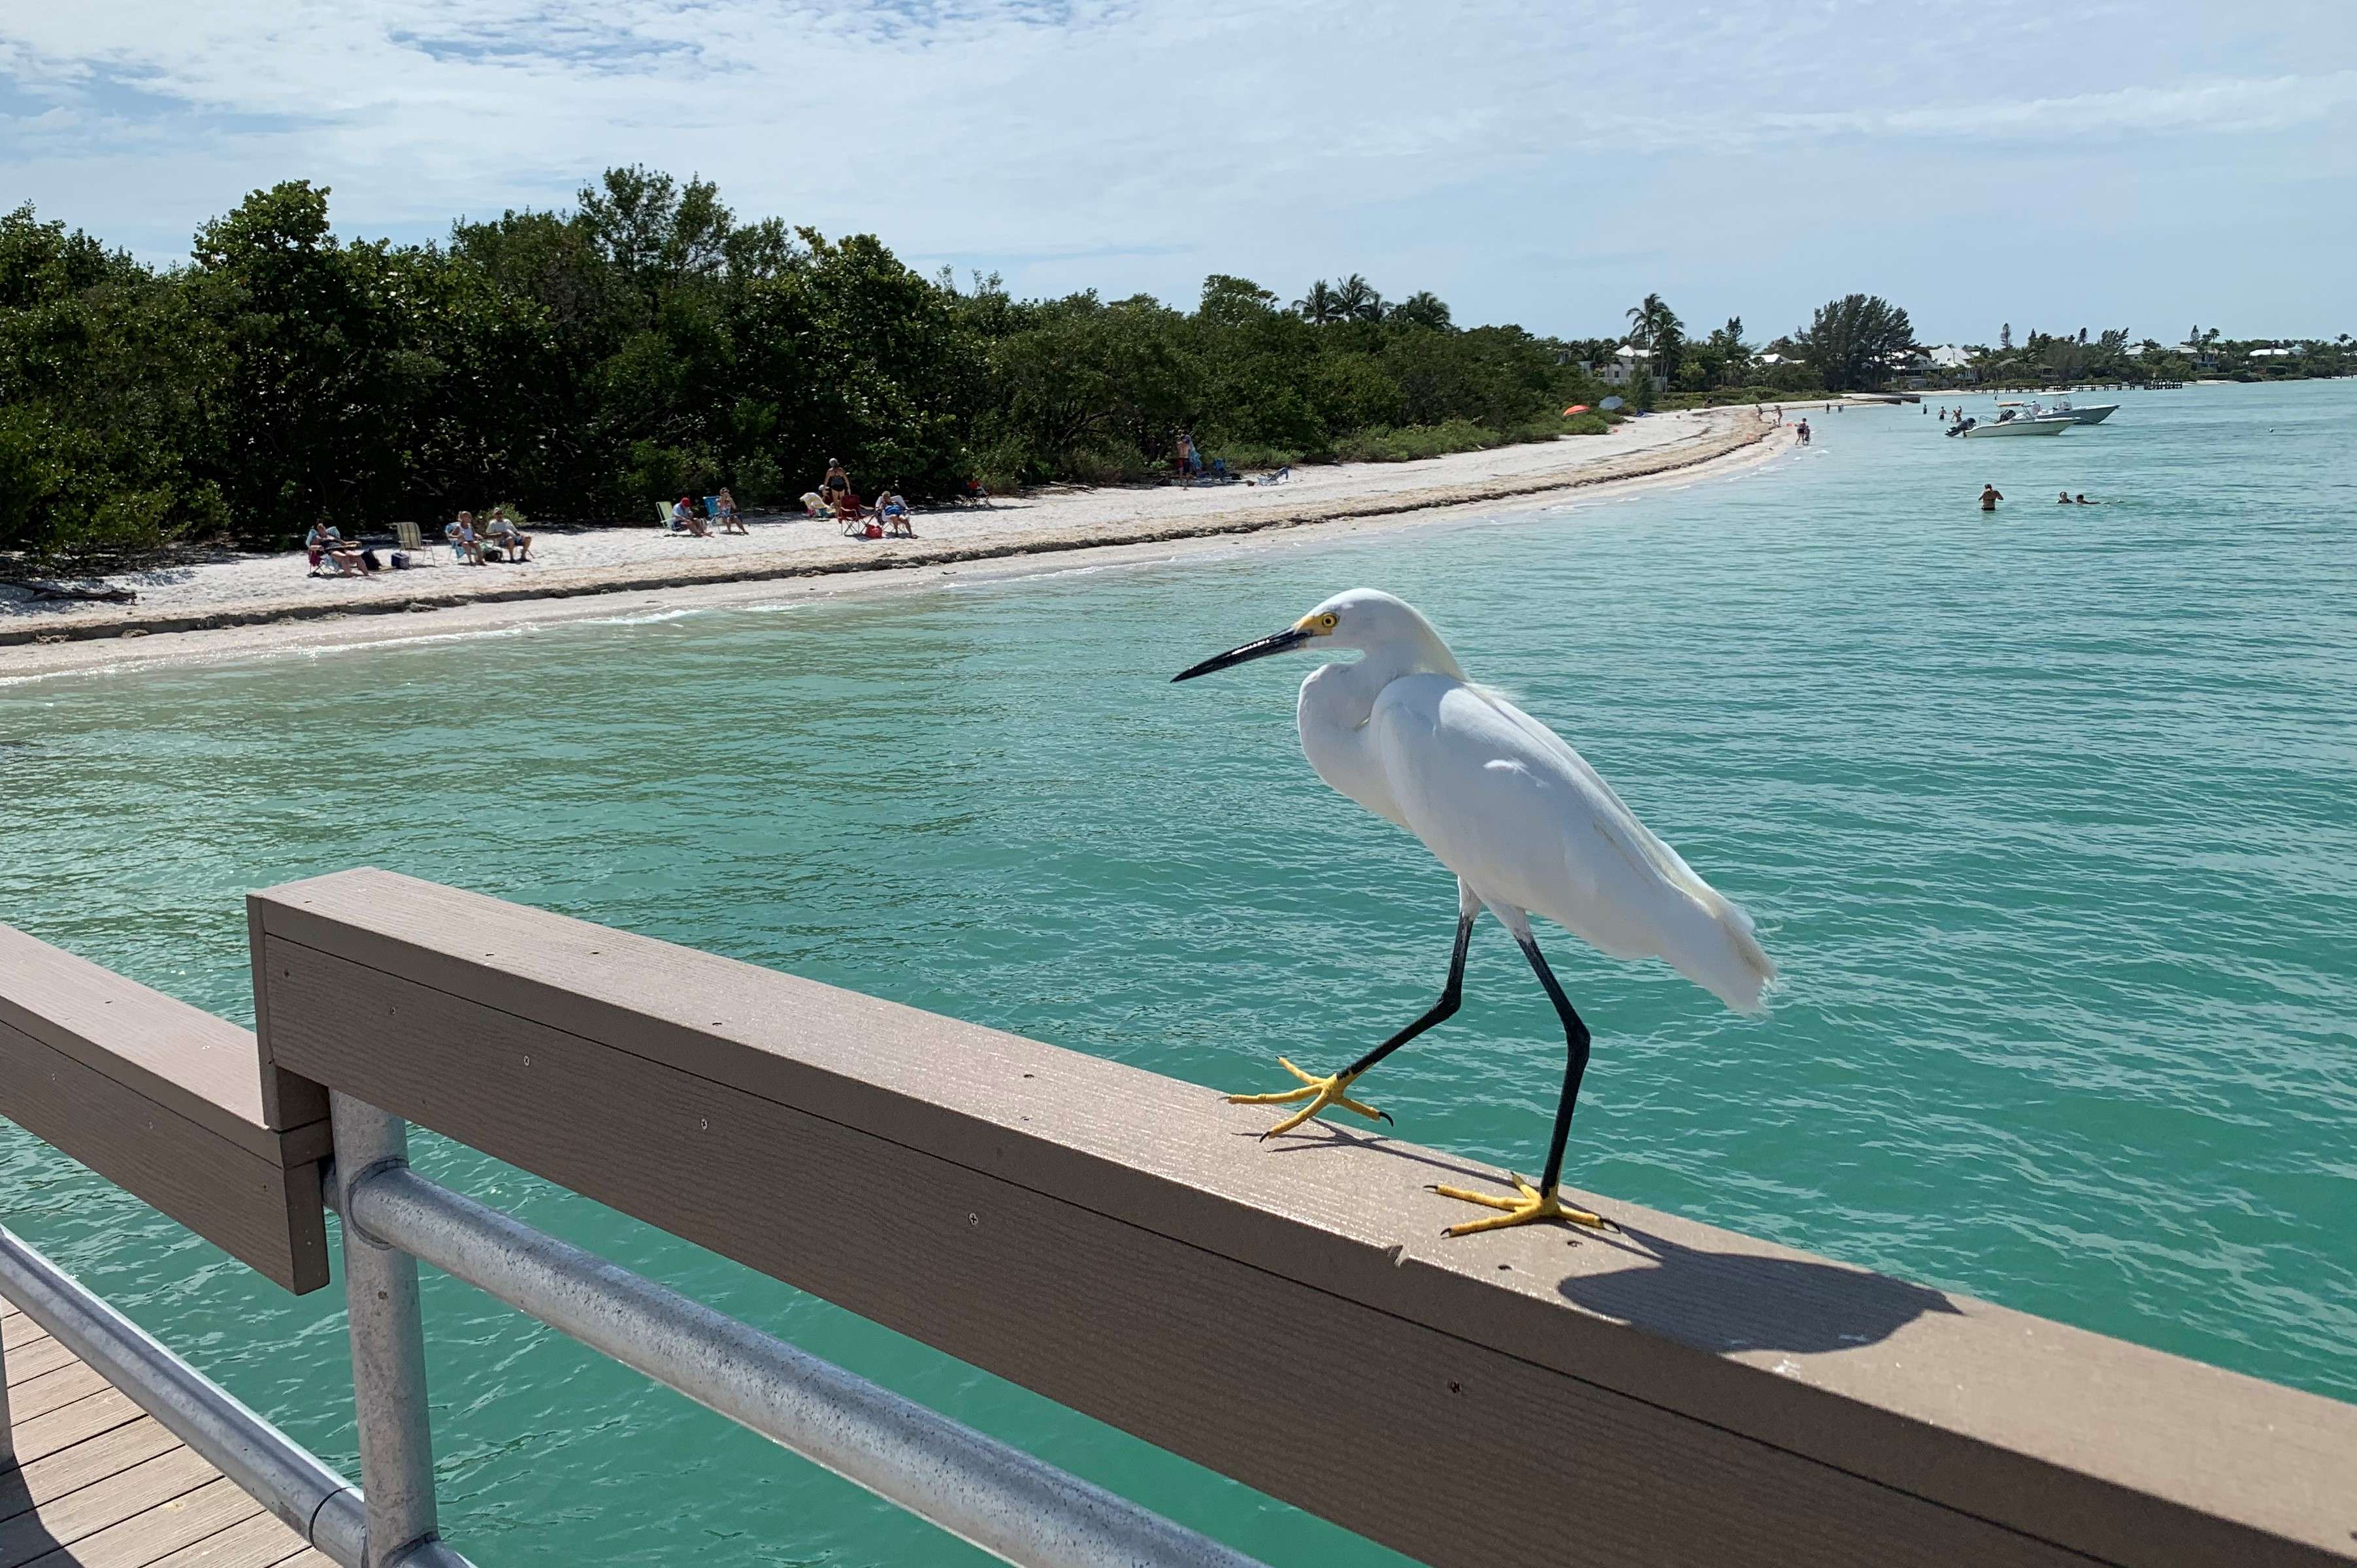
262, 603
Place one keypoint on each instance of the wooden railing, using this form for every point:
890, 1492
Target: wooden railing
1287, 1314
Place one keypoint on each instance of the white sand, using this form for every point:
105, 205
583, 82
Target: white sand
263, 601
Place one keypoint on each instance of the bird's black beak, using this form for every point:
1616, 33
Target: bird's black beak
1285, 641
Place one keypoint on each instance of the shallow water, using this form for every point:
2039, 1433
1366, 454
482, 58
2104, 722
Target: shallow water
2048, 817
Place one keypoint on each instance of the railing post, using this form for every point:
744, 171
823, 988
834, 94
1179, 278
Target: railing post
7, 1422
388, 1346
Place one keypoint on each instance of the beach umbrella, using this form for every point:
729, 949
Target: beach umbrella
1574, 408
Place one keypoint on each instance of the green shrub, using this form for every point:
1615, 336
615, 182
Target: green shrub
758, 481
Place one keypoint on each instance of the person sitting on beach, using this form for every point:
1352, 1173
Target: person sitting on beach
514, 542
464, 541
1990, 496
815, 505
730, 522
893, 512
686, 517
326, 542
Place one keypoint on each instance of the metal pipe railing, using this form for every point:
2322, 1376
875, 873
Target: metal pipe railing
996, 1497
388, 1336
310, 1498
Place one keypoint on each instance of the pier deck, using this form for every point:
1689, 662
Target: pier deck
98, 1484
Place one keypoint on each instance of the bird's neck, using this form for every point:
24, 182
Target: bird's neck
1347, 692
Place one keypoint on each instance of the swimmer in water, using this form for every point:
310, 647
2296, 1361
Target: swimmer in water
1990, 496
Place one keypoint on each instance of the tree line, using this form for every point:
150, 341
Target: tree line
577, 364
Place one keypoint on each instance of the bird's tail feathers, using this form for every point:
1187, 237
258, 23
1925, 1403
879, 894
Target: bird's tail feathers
1742, 973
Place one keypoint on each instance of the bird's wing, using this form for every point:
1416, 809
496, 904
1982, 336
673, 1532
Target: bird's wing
1506, 804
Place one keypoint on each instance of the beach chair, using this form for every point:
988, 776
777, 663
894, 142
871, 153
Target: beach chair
412, 540
662, 516
712, 507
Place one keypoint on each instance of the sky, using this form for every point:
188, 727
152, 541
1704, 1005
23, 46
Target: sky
2151, 165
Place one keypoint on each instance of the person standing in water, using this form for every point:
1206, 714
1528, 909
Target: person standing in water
1990, 496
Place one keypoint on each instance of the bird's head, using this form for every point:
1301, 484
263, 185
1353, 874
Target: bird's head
1366, 619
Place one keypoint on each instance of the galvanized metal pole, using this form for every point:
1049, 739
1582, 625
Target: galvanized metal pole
312, 1500
7, 1424
999, 1498
388, 1344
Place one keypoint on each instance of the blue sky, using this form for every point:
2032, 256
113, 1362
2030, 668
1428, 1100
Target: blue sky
2147, 165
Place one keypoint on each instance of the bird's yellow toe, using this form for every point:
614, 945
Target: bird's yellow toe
1528, 1205
1315, 1095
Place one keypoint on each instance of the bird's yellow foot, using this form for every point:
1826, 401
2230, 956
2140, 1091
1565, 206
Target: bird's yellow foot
1530, 1207
1320, 1092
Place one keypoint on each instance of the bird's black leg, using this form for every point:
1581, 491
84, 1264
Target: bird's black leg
1531, 1204
1575, 1063
1316, 1093
1452, 997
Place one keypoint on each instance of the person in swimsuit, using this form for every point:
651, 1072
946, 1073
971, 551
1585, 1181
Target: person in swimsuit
1990, 496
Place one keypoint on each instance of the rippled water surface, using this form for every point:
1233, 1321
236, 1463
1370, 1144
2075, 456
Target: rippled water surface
2050, 818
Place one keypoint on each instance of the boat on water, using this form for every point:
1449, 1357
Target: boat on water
2093, 414
2014, 421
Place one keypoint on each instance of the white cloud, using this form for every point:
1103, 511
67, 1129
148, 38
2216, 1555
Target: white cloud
1065, 135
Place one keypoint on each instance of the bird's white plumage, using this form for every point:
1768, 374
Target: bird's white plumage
1507, 805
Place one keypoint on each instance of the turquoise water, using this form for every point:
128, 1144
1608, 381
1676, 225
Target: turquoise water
2048, 816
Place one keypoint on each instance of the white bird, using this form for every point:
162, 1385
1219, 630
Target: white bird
1526, 824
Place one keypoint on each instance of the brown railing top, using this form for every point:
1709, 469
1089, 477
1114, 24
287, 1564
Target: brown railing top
164, 1099
1123, 1242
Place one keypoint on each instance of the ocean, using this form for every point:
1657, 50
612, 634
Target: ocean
2048, 815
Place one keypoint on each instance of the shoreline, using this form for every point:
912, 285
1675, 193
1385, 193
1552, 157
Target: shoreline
113, 639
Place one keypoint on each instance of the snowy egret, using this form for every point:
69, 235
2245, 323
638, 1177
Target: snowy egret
1526, 824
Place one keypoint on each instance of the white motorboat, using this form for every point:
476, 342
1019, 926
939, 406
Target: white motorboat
2012, 421
2093, 414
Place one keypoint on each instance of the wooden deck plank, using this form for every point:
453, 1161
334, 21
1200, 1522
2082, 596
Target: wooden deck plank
102, 1484
257, 1543
85, 1464
34, 1357
135, 1491
183, 1520
77, 1422
51, 1390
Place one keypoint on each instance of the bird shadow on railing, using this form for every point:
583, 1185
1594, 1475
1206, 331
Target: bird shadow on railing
1740, 1301
1329, 1136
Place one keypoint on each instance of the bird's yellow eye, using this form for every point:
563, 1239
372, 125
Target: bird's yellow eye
1327, 621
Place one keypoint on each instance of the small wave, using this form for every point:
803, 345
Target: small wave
321, 650
650, 618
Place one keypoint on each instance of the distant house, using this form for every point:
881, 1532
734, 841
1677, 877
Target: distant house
2133, 350
1946, 362
1628, 363
2274, 354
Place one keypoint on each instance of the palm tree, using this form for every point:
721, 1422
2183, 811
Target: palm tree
1422, 308
1321, 304
1359, 300
1654, 325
